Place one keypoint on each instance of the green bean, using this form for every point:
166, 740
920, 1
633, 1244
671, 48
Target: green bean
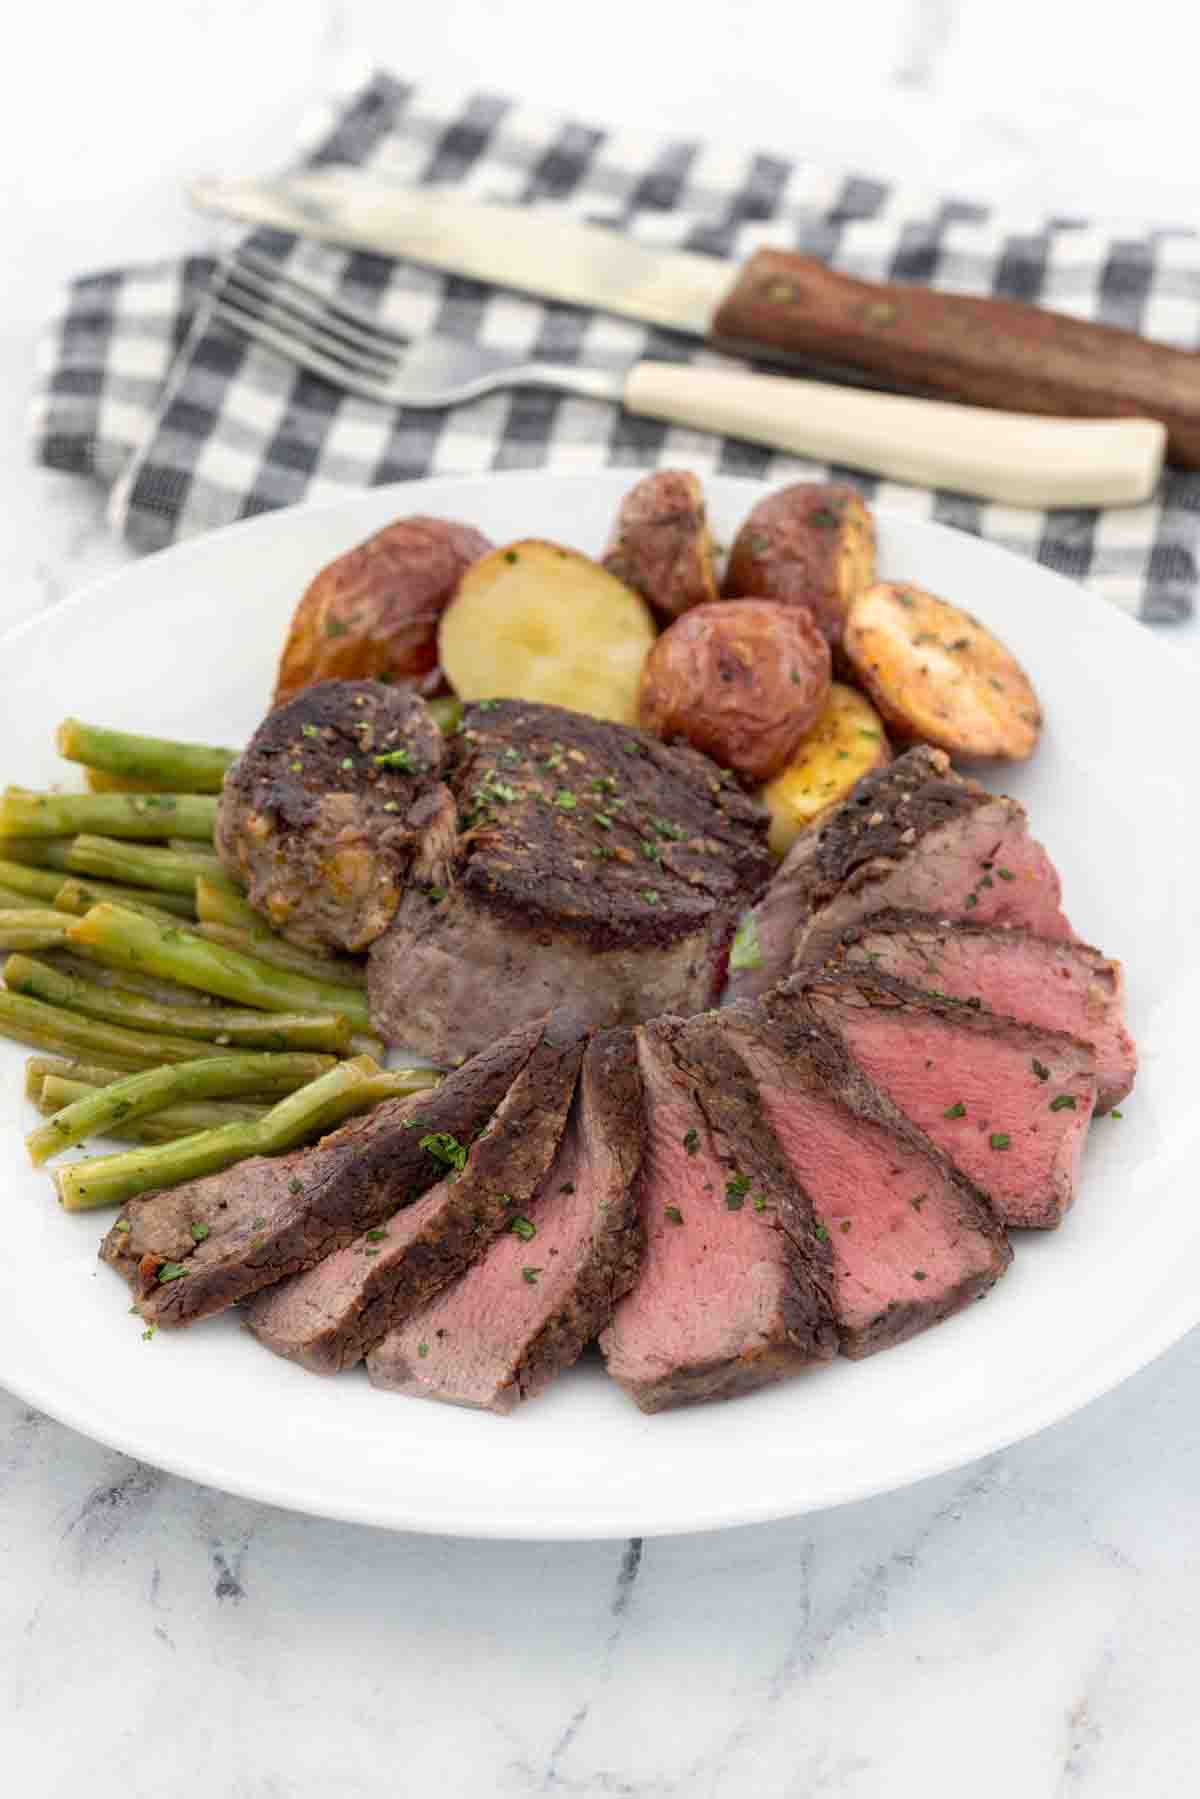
340, 971
77, 897
222, 1025
219, 902
35, 883
159, 1127
97, 1115
60, 1032
31, 928
188, 815
111, 1180
11, 901
177, 767
38, 1070
87, 968
125, 940
37, 852
140, 864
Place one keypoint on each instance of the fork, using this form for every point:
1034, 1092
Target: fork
1016, 458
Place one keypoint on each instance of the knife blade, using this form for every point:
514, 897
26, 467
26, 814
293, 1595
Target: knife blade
779, 305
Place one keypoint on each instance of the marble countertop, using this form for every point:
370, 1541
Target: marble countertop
1030, 1625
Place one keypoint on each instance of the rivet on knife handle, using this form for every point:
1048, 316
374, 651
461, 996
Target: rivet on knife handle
1003, 456
987, 351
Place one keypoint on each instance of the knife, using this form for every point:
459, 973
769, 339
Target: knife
780, 306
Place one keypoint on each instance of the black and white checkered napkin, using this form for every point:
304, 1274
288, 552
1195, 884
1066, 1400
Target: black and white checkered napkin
191, 427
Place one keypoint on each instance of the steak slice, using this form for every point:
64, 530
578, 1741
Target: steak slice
735, 1287
1060, 986
1008, 1103
329, 1317
912, 1239
323, 811
272, 1216
913, 834
594, 866
530, 1306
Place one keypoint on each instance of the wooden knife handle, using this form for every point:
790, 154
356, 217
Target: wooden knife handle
990, 352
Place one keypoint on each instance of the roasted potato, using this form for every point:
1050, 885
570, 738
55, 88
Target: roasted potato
373, 613
937, 676
534, 621
740, 679
845, 744
811, 544
661, 545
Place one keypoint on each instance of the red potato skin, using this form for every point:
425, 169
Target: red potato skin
661, 545
811, 544
372, 613
743, 680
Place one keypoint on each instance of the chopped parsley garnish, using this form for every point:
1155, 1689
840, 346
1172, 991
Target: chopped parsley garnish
918, 1274
1065, 1102
523, 1227
1040, 1069
394, 759
736, 1191
198, 1232
917, 1202
346, 762
822, 1234
759, 1202
567, 1187
1115, 1114
825, 517
957, 1110
650, 895
746, 951
673, 1213
171, 1271
1001, 1139
665, 828
445, 1149
1006, 874
336, 627
422, 1350
603, 820
972, 899
529, 1275
565, 799
376, 1236
691, 1140
651, 851
510, 555
308, 730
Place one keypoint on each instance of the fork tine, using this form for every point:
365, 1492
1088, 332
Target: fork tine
262, 300
307, 354
331, 305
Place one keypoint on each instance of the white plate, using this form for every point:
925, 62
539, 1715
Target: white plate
185, 644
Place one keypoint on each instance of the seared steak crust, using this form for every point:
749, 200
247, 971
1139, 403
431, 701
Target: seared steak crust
329, 1317
323, 812
595, 866
271, 1217
811, 1061
735, 1290
527, 1309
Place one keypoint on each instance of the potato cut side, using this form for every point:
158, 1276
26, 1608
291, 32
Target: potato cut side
937, 676
533, 621
845, 744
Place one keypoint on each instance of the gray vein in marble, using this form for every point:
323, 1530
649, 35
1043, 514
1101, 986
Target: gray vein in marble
627, 1573
112, 1509
1084, 1730
930, 27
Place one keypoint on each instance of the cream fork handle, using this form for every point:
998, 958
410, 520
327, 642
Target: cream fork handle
1019, 458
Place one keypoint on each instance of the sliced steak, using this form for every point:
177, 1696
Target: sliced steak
1008, 1103
231, 1234
329, 1317
322, 813
915, 835
912, 1239
594, 867
735, 1287
530, 1305
1060, 986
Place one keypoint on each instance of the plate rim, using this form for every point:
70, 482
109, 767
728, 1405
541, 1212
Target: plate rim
1170, 1323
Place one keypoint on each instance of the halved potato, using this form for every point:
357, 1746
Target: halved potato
811, 544
938, 677
845, 744
534, 621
